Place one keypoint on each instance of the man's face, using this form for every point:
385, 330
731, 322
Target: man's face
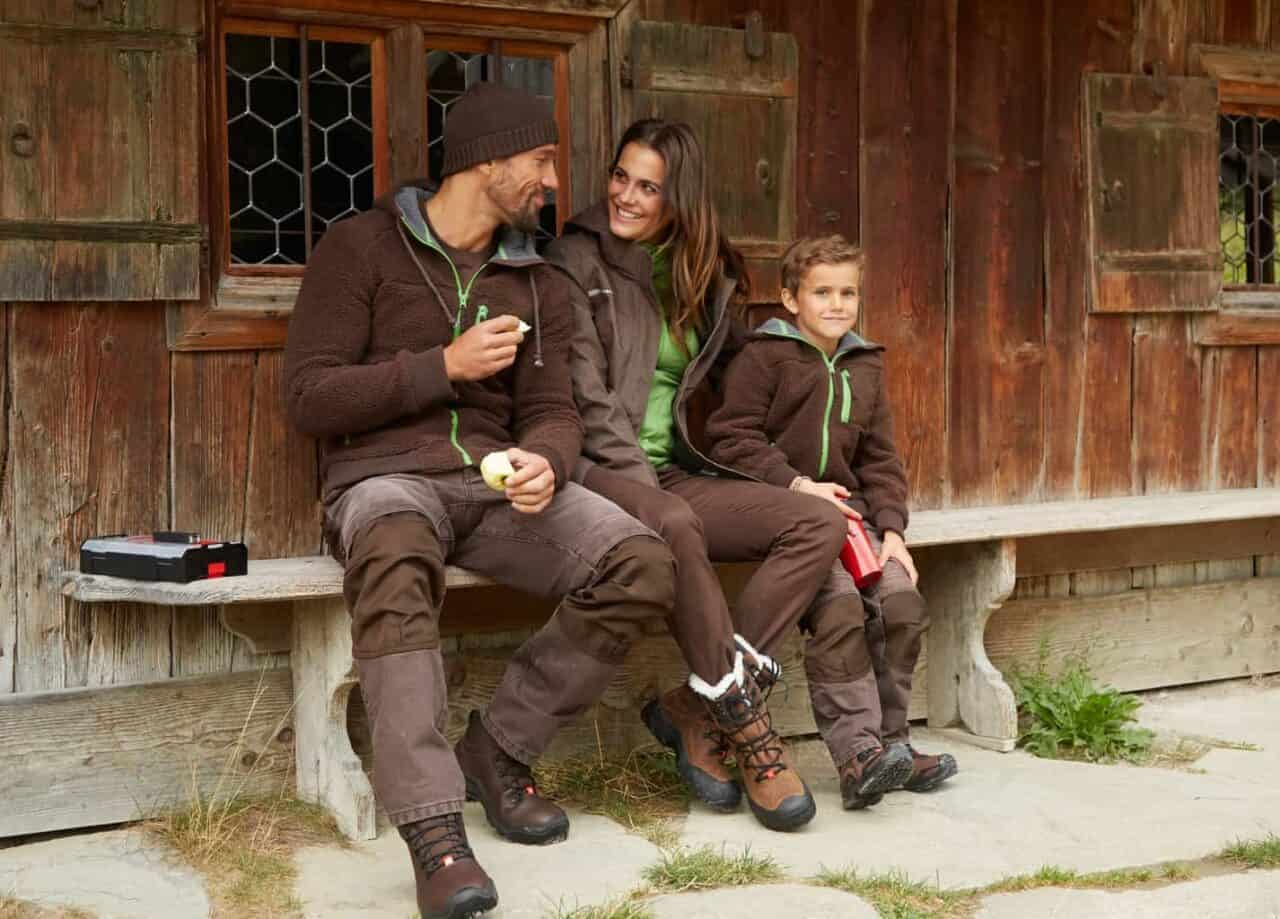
520, 185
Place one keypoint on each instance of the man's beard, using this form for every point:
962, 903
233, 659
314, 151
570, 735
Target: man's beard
521, 213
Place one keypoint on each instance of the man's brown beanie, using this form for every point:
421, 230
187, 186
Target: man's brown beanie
492, 121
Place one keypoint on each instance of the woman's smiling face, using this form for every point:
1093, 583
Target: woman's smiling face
637, 210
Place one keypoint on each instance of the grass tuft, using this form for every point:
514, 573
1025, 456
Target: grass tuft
641, 790
13, 908
895, 896
243, 847
1176, 871
621, 908
1258, 853
1068, 716
704, 868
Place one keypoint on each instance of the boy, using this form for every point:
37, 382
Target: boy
805, 408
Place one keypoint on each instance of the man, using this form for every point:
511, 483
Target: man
406, 356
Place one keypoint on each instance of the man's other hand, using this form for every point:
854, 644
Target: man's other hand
533, 485
486, 348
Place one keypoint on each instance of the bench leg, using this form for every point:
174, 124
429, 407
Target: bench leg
964, 585
329, 772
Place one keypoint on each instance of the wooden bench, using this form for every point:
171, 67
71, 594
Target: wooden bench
969, 561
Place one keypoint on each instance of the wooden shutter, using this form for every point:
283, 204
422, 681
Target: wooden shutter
1152, 165
737, 90
99, 150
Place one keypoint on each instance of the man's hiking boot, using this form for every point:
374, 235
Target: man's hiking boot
866, 777
680, 721
778, 796
505, 787
451, 884
928, 771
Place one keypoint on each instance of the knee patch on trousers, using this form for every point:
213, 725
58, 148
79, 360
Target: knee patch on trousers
394, 586
905, 609
836, 650
634, 582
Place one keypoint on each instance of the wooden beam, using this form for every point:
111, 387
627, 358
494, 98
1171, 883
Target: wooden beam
1195, 542
1239, 327
87, 757
1143, 639
1092, 515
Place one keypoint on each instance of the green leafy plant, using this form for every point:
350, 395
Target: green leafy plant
1068, 716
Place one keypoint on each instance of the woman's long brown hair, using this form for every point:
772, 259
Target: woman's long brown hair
700, 252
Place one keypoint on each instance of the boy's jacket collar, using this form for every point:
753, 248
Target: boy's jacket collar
780, 328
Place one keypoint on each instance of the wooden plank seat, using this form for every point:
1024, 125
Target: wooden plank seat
968, 559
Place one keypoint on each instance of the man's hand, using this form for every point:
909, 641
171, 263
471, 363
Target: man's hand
894, 547
827, 491
533, 485
486, 348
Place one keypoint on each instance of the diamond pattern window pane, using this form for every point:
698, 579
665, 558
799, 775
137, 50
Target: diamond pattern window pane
452, 73
265, 167
1248, 208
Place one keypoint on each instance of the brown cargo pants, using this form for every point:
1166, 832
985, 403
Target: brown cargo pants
706, 519
860, 667
395, 534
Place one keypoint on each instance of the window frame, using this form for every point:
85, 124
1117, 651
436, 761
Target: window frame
220, 211
1246, 77
246, 307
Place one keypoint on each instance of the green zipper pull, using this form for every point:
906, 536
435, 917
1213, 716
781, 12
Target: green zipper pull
457, 323
481, 314
846, 396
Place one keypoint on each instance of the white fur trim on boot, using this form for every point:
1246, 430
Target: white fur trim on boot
727, 682
762, 661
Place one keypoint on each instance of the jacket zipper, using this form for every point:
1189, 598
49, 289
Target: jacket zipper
847, 398
831, 396
464, 294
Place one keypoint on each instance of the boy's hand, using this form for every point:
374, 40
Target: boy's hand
533, 485
827, 491
894, 547
486, 348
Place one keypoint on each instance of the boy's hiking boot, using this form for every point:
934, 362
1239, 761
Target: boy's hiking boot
680, 721
929, 771
451, 884
505, 787
865, 778
777, 795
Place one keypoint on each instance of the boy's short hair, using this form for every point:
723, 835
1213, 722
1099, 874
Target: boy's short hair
803, 254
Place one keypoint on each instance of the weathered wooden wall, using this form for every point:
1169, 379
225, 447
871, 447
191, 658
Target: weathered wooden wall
943, 134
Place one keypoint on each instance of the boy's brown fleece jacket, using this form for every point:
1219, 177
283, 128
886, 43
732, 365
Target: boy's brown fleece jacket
789, 410
364, 361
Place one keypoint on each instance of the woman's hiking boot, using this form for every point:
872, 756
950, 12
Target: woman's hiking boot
680, 721
778, 796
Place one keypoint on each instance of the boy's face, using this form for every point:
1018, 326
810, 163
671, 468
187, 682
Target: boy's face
826, 304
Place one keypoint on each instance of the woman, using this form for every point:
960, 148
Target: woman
654, 304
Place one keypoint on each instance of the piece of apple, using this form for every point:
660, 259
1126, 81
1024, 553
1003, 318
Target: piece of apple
523, 326
495, 468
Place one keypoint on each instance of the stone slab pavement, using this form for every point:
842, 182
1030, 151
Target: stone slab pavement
1003, 814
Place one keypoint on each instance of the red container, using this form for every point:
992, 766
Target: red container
858, 558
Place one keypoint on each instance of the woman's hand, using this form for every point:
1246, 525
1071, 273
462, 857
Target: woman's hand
827, 491
894, 547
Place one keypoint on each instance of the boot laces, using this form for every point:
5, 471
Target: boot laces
517, 780
757, 744
437, 842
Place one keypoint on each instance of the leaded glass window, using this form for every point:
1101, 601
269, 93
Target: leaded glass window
1248, 208
286, 187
